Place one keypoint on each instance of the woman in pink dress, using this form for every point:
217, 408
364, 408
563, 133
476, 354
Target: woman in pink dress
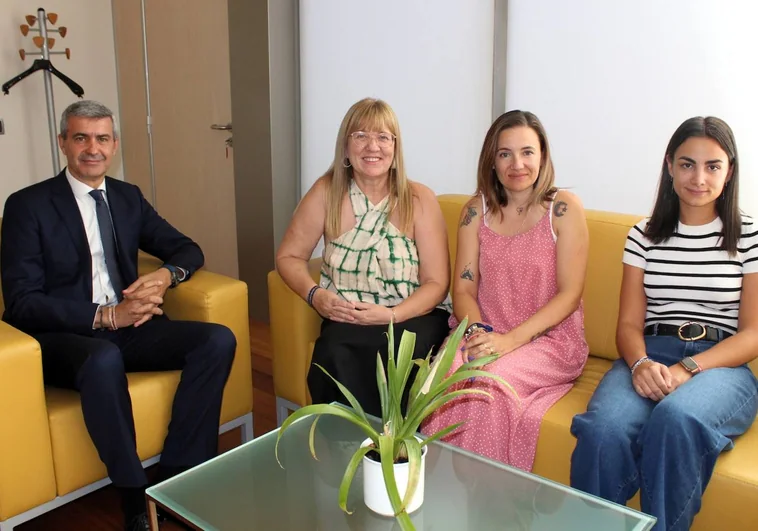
519, 276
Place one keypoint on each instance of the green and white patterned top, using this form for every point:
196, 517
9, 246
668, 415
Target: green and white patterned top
373, 262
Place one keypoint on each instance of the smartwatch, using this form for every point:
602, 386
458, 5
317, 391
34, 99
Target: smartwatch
690, 365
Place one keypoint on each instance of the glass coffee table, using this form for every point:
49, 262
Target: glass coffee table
245, 489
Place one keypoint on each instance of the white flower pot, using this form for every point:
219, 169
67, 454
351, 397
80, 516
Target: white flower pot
375, 491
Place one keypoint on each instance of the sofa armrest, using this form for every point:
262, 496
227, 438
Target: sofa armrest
295, 326
27, 478
214, 298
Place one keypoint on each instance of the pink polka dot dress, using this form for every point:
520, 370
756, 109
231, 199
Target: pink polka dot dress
518, 276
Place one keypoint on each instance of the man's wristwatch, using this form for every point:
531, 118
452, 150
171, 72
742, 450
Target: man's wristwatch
177, 274
690, 365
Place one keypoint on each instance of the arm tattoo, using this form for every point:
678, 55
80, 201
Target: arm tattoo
544, 332
560, 208
470, 215
467, 274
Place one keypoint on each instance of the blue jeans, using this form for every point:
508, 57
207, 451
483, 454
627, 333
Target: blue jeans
666, 449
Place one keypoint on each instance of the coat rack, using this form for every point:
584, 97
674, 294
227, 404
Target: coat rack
45, 44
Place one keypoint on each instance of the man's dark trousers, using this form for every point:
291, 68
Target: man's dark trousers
96, 366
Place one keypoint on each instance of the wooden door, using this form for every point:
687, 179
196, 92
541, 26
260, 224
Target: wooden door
188, 57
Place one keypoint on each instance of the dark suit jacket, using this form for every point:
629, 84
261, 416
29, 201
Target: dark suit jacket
45, 260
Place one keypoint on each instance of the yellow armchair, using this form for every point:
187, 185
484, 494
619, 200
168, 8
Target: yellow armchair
46, 456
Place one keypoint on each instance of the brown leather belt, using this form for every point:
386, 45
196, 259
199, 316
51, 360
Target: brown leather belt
687, 332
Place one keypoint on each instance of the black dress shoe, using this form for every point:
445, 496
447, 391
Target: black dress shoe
139, 523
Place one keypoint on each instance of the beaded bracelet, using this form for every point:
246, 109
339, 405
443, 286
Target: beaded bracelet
311, 293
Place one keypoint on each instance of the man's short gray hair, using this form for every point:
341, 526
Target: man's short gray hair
87, 109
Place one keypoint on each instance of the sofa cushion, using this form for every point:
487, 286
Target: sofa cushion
732, 492
452, 205
74, 456
27, 476
608, 233
2, 304
556, 443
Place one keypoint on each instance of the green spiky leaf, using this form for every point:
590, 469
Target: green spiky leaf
336, 410
381, 384
434, 386
442, 433
347, 479
387, 461
346, 393
312, 437
448, 354
414, 469
424, 368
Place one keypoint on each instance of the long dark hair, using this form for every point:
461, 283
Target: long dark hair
487, 182
665, 218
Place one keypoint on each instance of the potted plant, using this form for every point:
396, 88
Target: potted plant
397, 451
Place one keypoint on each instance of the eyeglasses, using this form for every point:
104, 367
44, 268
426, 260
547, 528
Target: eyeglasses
361, 138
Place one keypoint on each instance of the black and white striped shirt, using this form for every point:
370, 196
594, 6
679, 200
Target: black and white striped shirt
689, 278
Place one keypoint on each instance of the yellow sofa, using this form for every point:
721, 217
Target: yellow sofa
731, 500
46, 456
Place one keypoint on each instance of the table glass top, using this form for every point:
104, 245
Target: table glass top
245, 489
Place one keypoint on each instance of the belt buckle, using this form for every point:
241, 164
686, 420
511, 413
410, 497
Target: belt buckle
701, 335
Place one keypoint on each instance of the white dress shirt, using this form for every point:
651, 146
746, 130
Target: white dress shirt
102, 288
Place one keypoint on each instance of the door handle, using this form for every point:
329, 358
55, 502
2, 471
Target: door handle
222, 127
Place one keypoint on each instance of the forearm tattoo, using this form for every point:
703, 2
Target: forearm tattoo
469, 217
560, 208
544, 332
467, 273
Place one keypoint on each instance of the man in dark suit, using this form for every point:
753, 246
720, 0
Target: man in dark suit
68, 258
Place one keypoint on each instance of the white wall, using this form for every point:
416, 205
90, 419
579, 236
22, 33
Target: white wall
430, 60
611, 81
25, 148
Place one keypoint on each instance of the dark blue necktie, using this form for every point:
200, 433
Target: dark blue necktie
108, 237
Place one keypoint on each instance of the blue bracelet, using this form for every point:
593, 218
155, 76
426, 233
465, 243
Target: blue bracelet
473, 327
312, 292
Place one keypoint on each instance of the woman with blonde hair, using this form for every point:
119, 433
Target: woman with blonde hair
519, 276
385, 256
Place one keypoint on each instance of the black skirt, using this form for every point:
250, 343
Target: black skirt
348, 352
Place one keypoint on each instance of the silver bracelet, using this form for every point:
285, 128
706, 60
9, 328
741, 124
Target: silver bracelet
639, 362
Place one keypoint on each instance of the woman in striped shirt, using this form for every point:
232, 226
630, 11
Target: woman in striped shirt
687, 328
